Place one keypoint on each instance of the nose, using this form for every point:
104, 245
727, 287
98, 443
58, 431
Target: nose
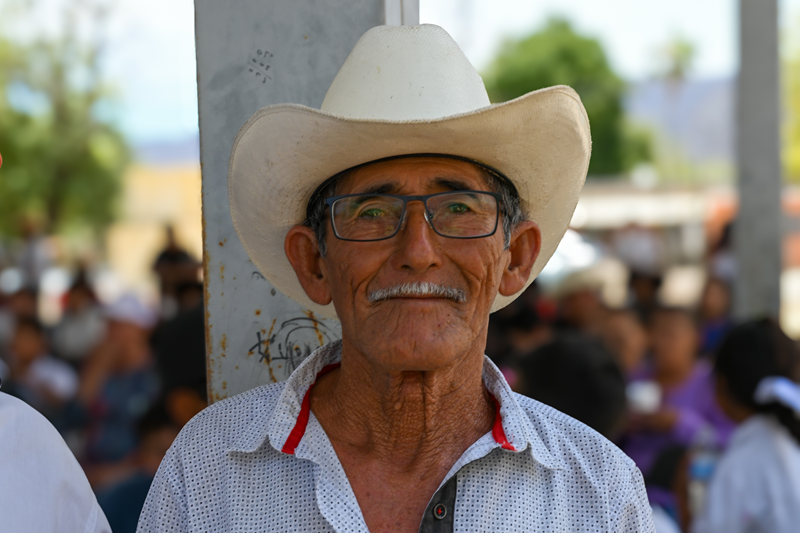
417, 250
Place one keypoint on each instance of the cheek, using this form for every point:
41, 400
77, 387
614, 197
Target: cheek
483, 266
350, 266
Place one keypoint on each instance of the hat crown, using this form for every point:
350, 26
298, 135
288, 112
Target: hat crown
404, 73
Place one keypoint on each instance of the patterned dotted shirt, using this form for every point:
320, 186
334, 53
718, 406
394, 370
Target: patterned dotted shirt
261, 462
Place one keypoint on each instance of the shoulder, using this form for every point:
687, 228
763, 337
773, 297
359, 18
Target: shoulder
38, 466
225, 421
591, 467
17, 417
590, 463
569, 439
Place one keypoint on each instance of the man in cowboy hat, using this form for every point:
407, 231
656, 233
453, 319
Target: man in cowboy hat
410, 208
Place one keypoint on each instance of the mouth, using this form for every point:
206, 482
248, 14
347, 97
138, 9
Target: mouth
420, 290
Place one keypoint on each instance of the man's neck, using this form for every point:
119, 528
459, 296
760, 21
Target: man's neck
397, 434
405, 419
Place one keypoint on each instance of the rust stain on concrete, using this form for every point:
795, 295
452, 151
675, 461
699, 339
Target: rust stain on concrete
224, 342
258, 312
207, 316
224, 385
310, 314
222, 271
268, 356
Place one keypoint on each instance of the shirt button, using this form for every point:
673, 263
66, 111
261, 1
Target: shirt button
440, 511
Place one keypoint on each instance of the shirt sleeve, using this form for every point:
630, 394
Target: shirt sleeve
631, 512
165, 509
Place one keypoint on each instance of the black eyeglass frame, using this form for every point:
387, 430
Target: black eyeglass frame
424, 199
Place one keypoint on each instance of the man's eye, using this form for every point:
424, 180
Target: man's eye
372, 212
458, 209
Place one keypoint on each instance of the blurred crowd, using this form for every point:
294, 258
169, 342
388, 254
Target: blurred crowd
673, 386
118, 379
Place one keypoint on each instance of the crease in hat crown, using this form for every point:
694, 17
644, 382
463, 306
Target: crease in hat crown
405, 73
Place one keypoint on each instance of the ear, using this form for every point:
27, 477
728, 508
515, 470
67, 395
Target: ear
523, 249
302, 251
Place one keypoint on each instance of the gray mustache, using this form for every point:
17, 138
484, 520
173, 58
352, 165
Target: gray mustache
418, 289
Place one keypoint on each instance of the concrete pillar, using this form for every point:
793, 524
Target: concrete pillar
757, 232
252, 53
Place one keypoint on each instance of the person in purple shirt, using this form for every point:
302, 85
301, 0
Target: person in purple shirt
687, 403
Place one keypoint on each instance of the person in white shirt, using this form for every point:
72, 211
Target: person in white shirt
37, 378
42, 487
411, 208
756, 485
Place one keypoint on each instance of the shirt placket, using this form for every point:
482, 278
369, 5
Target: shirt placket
335, 497
439, 517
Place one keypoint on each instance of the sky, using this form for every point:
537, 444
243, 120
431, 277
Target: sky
151, 63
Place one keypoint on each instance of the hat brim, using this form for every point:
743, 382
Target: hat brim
540, 141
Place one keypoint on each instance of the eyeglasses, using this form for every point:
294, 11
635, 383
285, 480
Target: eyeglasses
454, 214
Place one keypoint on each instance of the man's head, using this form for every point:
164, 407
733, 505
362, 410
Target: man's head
625, 336
673, 339
420, 296
28, 343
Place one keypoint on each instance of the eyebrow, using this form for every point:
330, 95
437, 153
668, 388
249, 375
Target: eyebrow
449, 183
383, 188
452, 184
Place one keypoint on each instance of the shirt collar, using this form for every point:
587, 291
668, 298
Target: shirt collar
277, 426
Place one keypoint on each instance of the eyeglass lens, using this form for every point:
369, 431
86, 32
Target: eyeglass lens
374, 216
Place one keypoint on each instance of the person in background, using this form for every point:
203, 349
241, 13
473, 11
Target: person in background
82, 326
687, 405
668, 475
643, 288
20, 303
516, 331
24, 303
756, 485
715, 319
36, 253
35, 377
42, 486
173, 266
123, 501
581, 306
179, 346
119, 384
626, 338
578, 376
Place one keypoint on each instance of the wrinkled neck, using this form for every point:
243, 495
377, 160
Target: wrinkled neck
406, 418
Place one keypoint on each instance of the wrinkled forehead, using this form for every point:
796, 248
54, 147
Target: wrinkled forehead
420, 174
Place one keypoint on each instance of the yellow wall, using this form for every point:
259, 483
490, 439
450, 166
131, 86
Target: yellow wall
154, 197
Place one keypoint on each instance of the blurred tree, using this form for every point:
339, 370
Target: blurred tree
556, 55
678, 56
62, 161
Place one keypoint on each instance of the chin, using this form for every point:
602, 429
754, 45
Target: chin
422, 350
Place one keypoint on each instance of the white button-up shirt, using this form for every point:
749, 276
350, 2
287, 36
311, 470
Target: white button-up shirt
232, 469
756, 485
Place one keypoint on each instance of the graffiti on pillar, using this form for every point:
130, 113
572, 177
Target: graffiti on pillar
259, 65
284, 346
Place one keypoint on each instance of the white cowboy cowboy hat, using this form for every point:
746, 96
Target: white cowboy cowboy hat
403, 90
